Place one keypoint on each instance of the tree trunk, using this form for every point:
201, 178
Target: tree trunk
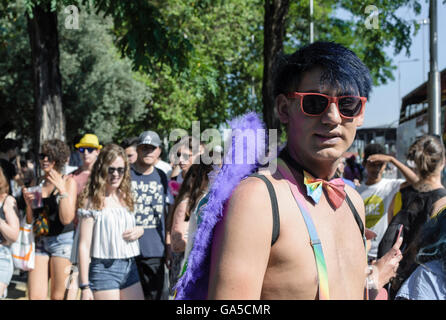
43, 35
274, 31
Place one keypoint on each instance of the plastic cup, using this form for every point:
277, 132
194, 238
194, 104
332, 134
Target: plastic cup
37, 202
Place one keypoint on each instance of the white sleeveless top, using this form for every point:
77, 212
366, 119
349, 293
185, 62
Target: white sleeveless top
109, 225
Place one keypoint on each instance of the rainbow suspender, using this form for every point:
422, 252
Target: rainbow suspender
314, 238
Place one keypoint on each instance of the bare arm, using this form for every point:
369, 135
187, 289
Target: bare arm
391, 209
241, 244
85, 235
10, 226
28, 200
178, 235
410, 176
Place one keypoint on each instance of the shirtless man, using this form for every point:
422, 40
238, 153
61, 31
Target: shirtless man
244, 265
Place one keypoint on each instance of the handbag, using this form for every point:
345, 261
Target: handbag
41, 224
23, 250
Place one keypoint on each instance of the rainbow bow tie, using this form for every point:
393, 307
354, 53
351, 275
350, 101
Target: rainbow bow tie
333, 188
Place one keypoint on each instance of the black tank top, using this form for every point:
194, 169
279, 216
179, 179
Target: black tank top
51, 209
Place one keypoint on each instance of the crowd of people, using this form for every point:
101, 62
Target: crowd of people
103, 228
404, 207
116, 221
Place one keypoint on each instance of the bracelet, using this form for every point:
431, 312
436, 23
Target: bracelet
371, 280
84, 286
63, 195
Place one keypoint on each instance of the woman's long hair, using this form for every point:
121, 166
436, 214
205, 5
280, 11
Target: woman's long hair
94, 192
195, 183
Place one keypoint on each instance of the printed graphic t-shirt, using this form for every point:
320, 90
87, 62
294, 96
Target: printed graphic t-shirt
377, 199
150, 201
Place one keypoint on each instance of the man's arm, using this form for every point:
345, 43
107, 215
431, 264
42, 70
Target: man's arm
241, 244
410, 176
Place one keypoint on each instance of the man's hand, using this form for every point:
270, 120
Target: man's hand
388, 264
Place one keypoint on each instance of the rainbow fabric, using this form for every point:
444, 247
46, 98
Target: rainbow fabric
323, 290
334, 188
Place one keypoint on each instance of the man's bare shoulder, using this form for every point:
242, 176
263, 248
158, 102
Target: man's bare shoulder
252, 190
250, 200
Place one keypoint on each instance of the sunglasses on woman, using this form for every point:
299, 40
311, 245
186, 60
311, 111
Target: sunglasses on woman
90, 150
315, 104
120, 170
42, 156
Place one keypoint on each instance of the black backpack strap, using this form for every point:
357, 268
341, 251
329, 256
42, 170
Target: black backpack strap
274, 205
356, 216
163, 180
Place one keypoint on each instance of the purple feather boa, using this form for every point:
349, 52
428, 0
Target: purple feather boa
193, 285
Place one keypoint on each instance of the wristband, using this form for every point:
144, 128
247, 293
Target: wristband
84, 286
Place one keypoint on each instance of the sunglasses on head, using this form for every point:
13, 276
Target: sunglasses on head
120, 170
82, 149
44, 155
315, 104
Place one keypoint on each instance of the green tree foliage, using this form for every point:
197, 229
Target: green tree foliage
197, 60
223, 77
368, 43
101, 92
16, 82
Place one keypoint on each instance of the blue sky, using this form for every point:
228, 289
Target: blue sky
383, 106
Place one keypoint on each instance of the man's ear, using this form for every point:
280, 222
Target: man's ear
360, 118
281, 104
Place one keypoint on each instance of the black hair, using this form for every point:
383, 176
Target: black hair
373, 148
29, 155
8, 144
341, 69
129, 142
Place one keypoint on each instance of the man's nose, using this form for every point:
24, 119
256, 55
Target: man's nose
332, 115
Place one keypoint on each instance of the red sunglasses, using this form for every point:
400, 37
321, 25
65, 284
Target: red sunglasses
314, 104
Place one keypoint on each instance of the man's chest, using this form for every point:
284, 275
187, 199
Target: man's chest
340, 258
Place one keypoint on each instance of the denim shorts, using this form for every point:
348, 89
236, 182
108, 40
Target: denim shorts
6, 265
112, 274
55, 246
